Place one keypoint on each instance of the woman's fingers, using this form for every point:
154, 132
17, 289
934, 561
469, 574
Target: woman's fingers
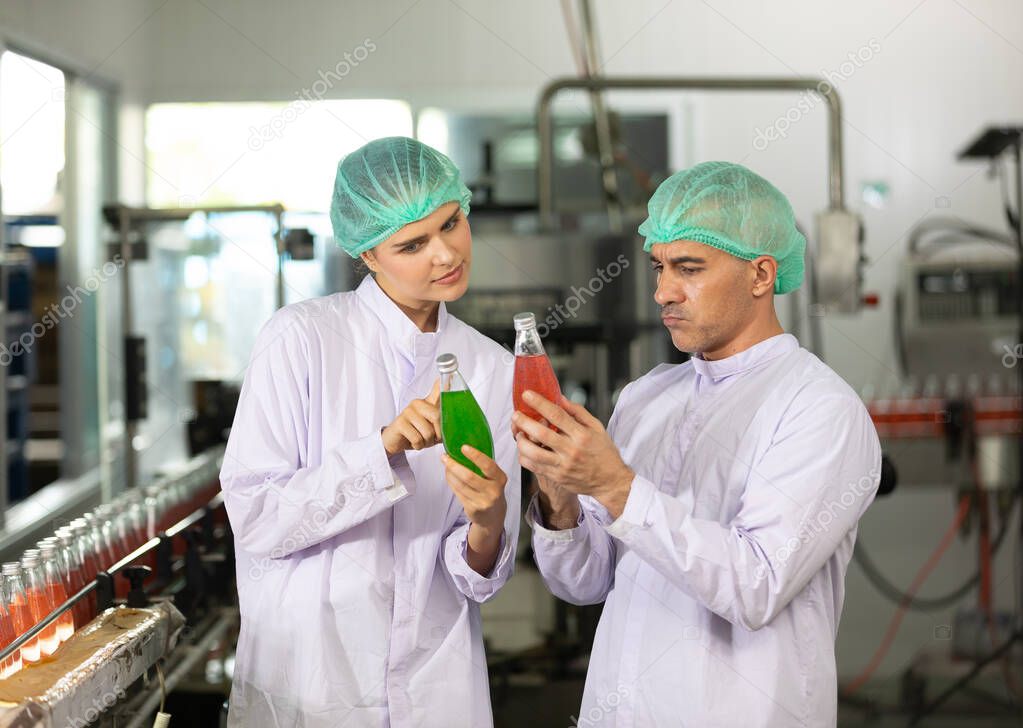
434, 396
490, 469
429, 412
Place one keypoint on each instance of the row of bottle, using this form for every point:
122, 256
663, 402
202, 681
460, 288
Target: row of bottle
462, 419
63, 564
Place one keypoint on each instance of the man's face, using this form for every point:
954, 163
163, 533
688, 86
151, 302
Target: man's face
705, 294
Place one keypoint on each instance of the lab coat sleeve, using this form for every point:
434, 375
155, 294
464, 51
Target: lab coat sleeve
804, 495
577, 564
277, 504
454, 548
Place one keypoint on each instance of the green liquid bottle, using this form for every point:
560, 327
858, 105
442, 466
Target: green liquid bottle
462, 422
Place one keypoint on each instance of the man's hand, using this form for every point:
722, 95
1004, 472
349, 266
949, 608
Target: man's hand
483, 501
580, 457
417, 427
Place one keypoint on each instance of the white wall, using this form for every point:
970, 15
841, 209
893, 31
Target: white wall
936, 73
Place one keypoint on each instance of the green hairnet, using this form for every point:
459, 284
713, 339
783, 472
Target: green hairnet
386, 184
728, 207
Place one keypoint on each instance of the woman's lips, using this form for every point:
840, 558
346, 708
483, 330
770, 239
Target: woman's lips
452, 277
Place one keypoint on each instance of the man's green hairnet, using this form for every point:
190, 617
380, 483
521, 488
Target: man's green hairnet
387, 184
728, 207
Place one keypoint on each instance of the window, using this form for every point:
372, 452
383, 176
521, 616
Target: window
259, 153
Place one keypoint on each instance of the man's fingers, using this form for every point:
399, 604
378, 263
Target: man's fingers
579, 413
538, 432
534, 452
551, 412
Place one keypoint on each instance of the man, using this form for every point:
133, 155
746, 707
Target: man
717, 513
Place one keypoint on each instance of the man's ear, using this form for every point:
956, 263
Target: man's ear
765, 269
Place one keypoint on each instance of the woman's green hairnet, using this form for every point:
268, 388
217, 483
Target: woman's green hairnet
728, 207
387, 184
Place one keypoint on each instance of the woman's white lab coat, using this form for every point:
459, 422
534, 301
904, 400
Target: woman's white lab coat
357, 605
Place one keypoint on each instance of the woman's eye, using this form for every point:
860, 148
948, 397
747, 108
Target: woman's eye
411, 248
450, 224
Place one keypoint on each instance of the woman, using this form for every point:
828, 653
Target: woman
363, 551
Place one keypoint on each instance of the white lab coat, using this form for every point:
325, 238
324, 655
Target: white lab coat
357, 605
724, 575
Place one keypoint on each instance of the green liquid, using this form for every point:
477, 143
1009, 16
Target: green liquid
462, 423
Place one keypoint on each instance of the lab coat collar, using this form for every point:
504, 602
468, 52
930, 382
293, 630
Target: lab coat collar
750, 358
406, 337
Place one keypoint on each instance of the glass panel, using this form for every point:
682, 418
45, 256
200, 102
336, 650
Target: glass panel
253, 154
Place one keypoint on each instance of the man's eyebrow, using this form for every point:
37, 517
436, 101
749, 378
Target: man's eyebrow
424, 238
681, 259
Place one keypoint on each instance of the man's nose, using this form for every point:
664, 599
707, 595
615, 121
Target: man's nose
667, 293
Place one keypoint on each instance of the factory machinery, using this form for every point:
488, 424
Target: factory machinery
958, 420
146, 604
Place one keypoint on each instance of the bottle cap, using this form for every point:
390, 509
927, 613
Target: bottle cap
524, 320
447, 363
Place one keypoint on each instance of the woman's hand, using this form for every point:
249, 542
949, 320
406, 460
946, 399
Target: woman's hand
417, 427
483, 501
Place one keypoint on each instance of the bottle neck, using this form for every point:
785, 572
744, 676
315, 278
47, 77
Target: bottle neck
528, 343
452, 382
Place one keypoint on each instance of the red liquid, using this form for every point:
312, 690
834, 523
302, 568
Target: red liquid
57, 595
535, 373
89, 571
21, 616
76, 580
40, 605
7, 635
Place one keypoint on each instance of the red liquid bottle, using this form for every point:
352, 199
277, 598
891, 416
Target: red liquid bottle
56, 589
12, 663
75, 578
40, 602
90, 564
533, 370
21, 614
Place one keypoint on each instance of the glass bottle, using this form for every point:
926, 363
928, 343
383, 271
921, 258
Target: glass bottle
40, 602
16, 598
462, 422
56, 591
533, 370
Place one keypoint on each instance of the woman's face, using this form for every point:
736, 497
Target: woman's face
427, 260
